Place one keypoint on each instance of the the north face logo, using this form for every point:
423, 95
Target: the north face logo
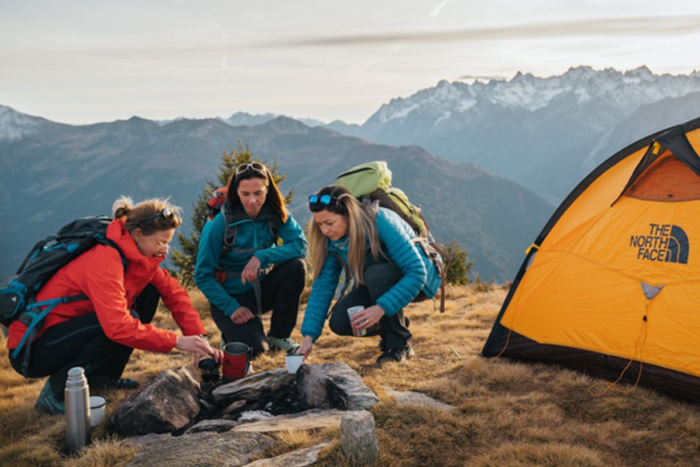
665, 242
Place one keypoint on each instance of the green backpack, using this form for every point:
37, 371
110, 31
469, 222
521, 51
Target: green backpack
373, 181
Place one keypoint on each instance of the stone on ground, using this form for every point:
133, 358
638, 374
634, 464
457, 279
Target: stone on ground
167, 404
359, 438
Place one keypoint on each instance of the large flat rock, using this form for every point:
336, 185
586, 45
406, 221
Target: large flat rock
308, 420
254, 387
335, 386
298, 458
203, 450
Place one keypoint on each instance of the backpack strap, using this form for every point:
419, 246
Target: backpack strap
435, 254
231, 217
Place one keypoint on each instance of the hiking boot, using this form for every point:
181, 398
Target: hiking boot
103, 382
396, 355
47, 402
282, 343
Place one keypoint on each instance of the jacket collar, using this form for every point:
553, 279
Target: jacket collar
117, 233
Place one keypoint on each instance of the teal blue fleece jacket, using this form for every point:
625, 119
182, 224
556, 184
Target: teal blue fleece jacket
396, 237
251, 234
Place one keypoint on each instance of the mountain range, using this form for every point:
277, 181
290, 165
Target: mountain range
51, 173
487, 160
544, 133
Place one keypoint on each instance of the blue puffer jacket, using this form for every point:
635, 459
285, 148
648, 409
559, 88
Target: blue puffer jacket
251, 234
419, 273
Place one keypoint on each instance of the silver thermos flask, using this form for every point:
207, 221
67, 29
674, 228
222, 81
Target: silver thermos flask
77, 409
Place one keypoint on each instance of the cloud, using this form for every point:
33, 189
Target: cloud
620, 27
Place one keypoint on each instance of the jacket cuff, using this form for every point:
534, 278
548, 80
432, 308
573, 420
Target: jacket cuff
385, 305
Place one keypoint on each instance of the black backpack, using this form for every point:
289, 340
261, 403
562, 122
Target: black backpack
17, 299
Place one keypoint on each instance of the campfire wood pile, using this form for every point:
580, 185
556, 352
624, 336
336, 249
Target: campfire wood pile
177, 421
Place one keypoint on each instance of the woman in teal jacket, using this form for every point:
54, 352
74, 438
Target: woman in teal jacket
243, 271
376, 249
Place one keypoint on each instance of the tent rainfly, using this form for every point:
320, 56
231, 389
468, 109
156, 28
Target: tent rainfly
611, 285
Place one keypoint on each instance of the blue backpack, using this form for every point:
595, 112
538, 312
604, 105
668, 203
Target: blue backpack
17, 299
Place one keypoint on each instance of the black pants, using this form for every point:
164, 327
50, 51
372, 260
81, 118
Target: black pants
281, 290
379, 278
82, 342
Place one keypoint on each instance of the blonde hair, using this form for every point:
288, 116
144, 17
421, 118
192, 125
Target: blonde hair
137, 216
361, 228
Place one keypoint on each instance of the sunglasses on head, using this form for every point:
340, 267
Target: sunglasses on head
251, 166
166, 213
318, 201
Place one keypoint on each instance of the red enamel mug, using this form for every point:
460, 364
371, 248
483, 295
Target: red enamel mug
236, 360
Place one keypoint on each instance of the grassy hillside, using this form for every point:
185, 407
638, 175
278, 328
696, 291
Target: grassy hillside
507, 413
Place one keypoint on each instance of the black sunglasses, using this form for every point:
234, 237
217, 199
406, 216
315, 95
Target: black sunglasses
166, 213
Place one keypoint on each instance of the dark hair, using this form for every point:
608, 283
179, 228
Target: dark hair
274, 197
338, 204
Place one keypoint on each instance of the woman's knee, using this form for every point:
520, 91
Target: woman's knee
339, 323
293, 271
381, 277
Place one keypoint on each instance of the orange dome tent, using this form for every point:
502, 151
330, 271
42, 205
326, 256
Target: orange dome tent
611, 285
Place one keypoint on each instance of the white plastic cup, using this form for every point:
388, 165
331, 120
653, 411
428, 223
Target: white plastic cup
293, 362
97, 410
352, 311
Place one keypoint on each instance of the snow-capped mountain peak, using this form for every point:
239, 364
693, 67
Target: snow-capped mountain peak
627, 90
15, 125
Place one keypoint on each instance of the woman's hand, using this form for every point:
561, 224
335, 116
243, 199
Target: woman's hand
305, 348
251, 270
199, 346
368, 317
242, 315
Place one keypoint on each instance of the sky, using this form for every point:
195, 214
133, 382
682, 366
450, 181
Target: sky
86, 61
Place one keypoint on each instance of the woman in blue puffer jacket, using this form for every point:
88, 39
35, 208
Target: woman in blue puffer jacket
243, 271
376, 249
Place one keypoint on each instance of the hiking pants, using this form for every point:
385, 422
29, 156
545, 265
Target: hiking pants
379, 278
82, 342
281, 291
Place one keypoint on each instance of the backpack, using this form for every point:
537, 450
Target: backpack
371, 183
217, 203
17, 299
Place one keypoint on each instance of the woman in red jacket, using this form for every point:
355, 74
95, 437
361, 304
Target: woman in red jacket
100, 333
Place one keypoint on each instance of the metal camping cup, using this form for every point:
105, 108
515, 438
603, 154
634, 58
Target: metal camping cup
236, 360
97, 410
352, 311
293, 362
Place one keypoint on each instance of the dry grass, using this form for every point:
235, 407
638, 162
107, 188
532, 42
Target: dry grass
507, 413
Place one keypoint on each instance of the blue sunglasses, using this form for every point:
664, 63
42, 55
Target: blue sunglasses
316, 202
323, 199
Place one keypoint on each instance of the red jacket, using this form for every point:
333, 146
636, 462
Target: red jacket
99, 274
